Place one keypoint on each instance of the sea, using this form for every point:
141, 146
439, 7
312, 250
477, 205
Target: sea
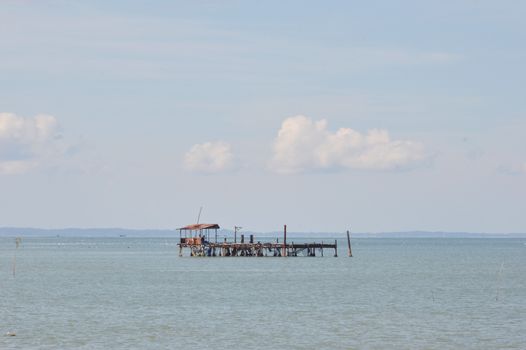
137, 293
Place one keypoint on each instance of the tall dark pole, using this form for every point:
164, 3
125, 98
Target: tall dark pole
284, 240
349, 243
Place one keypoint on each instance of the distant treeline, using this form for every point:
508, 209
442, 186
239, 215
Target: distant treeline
121, 232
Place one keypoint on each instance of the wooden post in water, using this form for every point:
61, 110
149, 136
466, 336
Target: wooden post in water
349, 243
335, 248
284, 241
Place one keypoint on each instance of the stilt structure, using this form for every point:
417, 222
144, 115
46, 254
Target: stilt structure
196, 238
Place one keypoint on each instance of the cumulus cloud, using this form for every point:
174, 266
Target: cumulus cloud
304, 144
209, 157
26, 142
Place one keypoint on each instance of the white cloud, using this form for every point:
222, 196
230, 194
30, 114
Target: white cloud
26, 142
209, 157
513, 168
303, 144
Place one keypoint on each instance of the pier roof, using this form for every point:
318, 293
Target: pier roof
200, 227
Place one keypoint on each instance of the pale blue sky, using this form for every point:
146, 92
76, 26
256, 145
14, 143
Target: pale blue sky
161, 107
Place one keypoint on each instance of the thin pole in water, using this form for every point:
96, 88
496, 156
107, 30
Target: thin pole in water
349, 243
17, 242
284, 240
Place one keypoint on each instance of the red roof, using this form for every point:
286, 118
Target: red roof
200, 227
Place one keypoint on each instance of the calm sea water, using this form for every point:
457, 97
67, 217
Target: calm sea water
123, 293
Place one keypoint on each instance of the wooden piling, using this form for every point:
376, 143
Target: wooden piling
335, 248
284, 240
349, 243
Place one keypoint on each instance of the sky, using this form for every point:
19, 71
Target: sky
370, 115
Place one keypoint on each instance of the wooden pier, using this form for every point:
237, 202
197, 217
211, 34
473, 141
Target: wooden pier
201, 240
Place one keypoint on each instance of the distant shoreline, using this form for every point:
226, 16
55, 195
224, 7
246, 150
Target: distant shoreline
159, 233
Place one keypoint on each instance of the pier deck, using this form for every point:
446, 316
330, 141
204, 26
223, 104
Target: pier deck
199, 241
